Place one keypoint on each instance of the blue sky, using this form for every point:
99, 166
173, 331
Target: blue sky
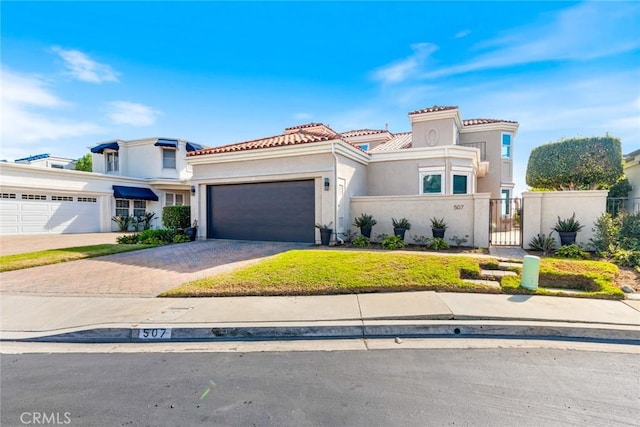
78, 73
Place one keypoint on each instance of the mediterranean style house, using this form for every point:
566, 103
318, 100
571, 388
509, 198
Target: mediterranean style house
278, 187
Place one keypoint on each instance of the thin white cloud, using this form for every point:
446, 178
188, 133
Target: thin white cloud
463, 33
131, 113
408, 67
302, 116
587, 31
85, 69
27, 118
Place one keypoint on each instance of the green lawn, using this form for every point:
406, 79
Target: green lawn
54, 256
318, 272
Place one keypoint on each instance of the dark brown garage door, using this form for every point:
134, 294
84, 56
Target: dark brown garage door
275, 211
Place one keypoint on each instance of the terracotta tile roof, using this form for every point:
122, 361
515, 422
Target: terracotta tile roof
399, 141
472, 122
434, 109
362, 132
295, 138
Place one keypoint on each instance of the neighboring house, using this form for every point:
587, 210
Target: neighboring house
48, 161
632, 171
277, 188
129, 178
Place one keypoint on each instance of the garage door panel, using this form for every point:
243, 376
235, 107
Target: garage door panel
276, 211
44, 216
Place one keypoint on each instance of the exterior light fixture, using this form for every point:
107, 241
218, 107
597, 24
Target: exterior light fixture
326, 184
193, 190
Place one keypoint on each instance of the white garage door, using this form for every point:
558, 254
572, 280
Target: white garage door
48, 213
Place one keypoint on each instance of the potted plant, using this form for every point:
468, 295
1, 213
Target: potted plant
192, 231
325, 233
400, 226
366, 223
567, 229
438, 227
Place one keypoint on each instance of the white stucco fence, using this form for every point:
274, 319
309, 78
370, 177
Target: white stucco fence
542, 209
466, 214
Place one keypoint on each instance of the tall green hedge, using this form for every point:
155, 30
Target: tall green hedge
176, 217
576, 164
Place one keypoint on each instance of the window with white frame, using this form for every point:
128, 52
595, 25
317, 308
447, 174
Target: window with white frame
168, 158
139, 208
460, 184
111, 159
506, 145
174, 199
432, 180
122, 207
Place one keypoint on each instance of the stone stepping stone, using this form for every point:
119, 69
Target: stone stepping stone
491, 283
509, 265
497, 273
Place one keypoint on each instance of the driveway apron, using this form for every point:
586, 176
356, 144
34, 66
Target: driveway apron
147, 272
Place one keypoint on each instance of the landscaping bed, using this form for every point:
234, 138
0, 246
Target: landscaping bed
319, 272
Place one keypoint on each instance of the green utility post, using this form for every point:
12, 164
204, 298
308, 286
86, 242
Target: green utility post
530, 272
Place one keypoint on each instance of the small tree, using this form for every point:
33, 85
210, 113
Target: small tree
85, 163
576, 164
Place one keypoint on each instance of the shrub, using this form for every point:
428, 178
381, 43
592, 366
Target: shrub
401, 223
459, 241
568, 225
180, 238
361, 242
364, 220
176, 217
627, 258
629, 232
576, 164
158, 236
571, 251
421, 240
393, 242
605, 234
543, 243
129, 239
122, 221
438, 243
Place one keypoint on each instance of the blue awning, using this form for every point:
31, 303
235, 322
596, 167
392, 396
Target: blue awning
191, 146
108, 145
134, 193
161, 142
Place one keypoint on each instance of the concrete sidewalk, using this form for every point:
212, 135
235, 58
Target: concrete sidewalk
105, 319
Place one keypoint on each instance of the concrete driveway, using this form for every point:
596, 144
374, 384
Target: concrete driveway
23, 243
147, 272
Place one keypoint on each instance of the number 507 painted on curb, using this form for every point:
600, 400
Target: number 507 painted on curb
155, 334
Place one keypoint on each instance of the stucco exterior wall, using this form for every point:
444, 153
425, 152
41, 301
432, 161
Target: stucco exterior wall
354, 177
21, 178
314, 166
632, 171
464, 214
542, 209
443, 132
500, 170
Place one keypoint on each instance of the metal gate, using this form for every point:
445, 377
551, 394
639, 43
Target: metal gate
505, 222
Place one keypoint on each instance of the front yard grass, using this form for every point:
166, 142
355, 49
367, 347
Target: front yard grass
318, 272
54, 256
323, 272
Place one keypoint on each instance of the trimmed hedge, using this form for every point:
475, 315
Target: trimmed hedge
576, 164
176, 217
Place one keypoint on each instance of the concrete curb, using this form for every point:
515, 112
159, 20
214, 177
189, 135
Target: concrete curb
281, 331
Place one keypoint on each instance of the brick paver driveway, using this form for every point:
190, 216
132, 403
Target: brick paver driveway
146, 272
